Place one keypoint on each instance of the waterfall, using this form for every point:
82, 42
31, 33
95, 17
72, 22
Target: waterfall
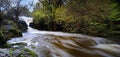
60, 44
28, 20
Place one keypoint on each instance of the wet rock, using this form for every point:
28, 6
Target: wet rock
22, 25
22, 52
32, 25
8, 29
7, 35
4, 52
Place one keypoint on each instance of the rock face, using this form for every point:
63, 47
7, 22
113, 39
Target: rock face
32, 25
8, 30
7, 35
22, 25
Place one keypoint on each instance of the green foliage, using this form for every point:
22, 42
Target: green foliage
27, 53
24, 52
8, 30
1, 34
47, 12
38, 15
61, 14
11, 52
93, 17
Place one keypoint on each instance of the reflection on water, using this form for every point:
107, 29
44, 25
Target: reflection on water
59, 44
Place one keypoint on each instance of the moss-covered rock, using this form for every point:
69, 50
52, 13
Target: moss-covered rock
7, 35
8, 29
22, 25
33, 25
22, 52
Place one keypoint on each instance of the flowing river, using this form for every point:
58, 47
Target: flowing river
60, 44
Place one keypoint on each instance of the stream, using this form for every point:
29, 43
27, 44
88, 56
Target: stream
60, 44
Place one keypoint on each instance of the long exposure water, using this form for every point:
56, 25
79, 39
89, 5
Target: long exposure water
60, 44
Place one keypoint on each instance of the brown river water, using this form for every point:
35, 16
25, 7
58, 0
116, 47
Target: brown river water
60, 44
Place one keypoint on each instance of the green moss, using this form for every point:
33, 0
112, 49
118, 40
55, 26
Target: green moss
22, 52
8, 30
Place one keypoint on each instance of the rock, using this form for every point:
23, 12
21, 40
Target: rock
2, 41
7, 35
4, 52
22, 52
32, 25
22, 25
8, 29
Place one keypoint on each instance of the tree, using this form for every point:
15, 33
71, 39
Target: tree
17, 7
48, 7
4, 6
51, 5
25, 11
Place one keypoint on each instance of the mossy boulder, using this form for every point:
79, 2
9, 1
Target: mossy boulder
8, 29
7, 35
21, 52
22, 25
33, 25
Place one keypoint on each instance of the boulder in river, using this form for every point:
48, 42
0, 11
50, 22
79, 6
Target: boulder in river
22, 25
8, 29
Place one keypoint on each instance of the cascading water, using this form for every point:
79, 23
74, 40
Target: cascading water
59, 44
